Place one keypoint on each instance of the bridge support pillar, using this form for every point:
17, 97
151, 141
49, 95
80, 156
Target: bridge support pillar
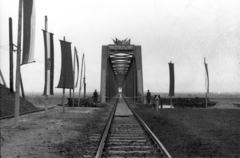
105, 55
139, 72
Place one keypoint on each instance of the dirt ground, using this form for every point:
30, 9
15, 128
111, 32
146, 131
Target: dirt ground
192, 132
74, 133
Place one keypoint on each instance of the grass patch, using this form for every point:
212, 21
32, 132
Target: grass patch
191, 132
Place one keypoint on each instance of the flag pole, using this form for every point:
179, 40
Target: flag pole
206, 82
11, 55
73, 102
46, 96
63, 87
18, 69
84, 80
171, 94
80, 87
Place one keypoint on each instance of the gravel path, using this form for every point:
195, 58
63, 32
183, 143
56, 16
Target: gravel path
59, 135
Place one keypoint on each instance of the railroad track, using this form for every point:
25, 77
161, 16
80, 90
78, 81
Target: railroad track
128, 136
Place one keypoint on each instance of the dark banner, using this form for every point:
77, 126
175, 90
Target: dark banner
66, 78
171, 72
49, 63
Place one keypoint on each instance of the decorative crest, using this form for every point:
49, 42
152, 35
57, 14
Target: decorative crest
123, 42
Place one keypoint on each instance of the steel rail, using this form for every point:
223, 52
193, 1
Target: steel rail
106, 130
164, 152
25, 113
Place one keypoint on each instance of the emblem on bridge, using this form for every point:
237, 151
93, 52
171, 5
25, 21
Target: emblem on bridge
123, 42
121, 45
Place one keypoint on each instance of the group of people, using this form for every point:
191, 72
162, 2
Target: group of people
148, 98
156, 100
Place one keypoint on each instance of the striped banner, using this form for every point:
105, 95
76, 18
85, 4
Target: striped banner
171, 72
49, 63
76, 55
28, 31
66, 78
207, 78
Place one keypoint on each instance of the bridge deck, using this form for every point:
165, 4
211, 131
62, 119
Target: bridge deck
122, 108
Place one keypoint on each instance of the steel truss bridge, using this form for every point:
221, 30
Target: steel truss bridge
121, 71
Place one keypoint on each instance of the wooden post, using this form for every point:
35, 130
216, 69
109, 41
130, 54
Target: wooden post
10, 56
46, 96
18, 70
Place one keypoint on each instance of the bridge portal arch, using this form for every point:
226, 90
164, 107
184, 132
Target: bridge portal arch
121, 68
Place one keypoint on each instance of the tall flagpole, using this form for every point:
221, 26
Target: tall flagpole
18, 69
73, 102
64, 88
84, 81
46, 96
206, 82
171, 94
80, 87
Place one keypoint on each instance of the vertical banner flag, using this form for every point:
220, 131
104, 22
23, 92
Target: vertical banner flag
207, 77
49, 63
28, 31
76, 55
171, 72
66, 78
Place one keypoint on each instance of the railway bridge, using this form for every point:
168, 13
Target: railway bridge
121, 70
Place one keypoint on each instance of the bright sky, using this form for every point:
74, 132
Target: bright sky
183, 32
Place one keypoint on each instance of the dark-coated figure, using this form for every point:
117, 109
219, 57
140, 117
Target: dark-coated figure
148, 97
95, 96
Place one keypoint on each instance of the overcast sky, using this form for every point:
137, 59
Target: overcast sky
181, 31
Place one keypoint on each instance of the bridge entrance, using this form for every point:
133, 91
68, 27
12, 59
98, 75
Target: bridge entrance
121, 69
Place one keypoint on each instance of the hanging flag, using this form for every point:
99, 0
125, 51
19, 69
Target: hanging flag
171, 72
28, 31
207, 77
66, 78
49, 63
76, 55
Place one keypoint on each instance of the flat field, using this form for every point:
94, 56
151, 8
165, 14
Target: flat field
192, 132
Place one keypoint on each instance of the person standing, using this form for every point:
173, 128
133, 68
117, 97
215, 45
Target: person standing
148, 97
95, 96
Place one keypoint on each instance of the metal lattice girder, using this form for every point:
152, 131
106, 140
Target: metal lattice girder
121, 67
